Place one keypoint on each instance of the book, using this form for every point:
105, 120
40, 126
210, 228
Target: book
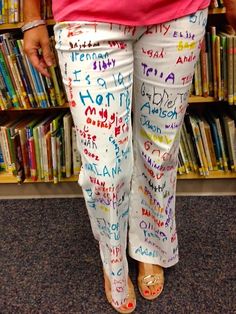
218, 64
234, 70
44, 128
55, 130
199, 144
67, 125
62, 157
49, 157
25, 61
8, 81
216, 141
19, 164
2, 162
188, 140
209, 62
24, 75
194, 138
184, 158
31, 148
197, 79
230, 67
7, 146
201, 125
217, 116
230, 132
75, 153
38, 149
204, 69
224, 70
12, 68
21, 130
210, 144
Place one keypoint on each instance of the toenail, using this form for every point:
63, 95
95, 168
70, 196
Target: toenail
146, 292
130, 305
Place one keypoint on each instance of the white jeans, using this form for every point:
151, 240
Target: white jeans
128, 173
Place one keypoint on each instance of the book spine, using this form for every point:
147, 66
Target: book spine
2, 162
25, 60
5, 152
8, 82
59, 98
204, 72
5, 96
214, 67
67, 124
49, 155
218, 68
230, 70
63, 159
24, 79
196, 79
75, 154
222, 145
37, 151
200, 148
234, 65
209, 62
211, 147
20, 174
184, 157
33, 165
205, 144
59, 156
24, 149
11, 150
45, 158
54, 158
191, 134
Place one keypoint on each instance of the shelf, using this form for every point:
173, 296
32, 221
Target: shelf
29, 109
6, 178
213, 175
201, 99
217, 11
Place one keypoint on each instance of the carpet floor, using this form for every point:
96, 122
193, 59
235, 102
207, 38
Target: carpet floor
50, 263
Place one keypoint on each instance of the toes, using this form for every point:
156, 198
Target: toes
156, 290
146, 291
128, 306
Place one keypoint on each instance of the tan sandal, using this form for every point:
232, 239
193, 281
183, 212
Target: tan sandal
128, 307
147, 281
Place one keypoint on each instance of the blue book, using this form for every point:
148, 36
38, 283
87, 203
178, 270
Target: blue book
38, 86
8, 82
24, 77
216, 140
2, 163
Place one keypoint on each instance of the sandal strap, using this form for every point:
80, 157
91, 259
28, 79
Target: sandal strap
152, 279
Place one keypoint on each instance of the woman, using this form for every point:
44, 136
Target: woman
113, 57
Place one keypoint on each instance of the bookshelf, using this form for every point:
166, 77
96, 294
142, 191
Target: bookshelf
217, 182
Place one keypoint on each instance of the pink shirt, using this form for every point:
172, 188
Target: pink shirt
126, 12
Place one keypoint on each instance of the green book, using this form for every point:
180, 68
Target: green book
8, 82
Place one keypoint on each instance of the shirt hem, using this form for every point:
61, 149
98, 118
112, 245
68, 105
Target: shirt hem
127, 22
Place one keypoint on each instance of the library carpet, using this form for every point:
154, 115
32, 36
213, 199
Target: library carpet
50, 261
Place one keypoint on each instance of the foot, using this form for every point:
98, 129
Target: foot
150, 280
130, 304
